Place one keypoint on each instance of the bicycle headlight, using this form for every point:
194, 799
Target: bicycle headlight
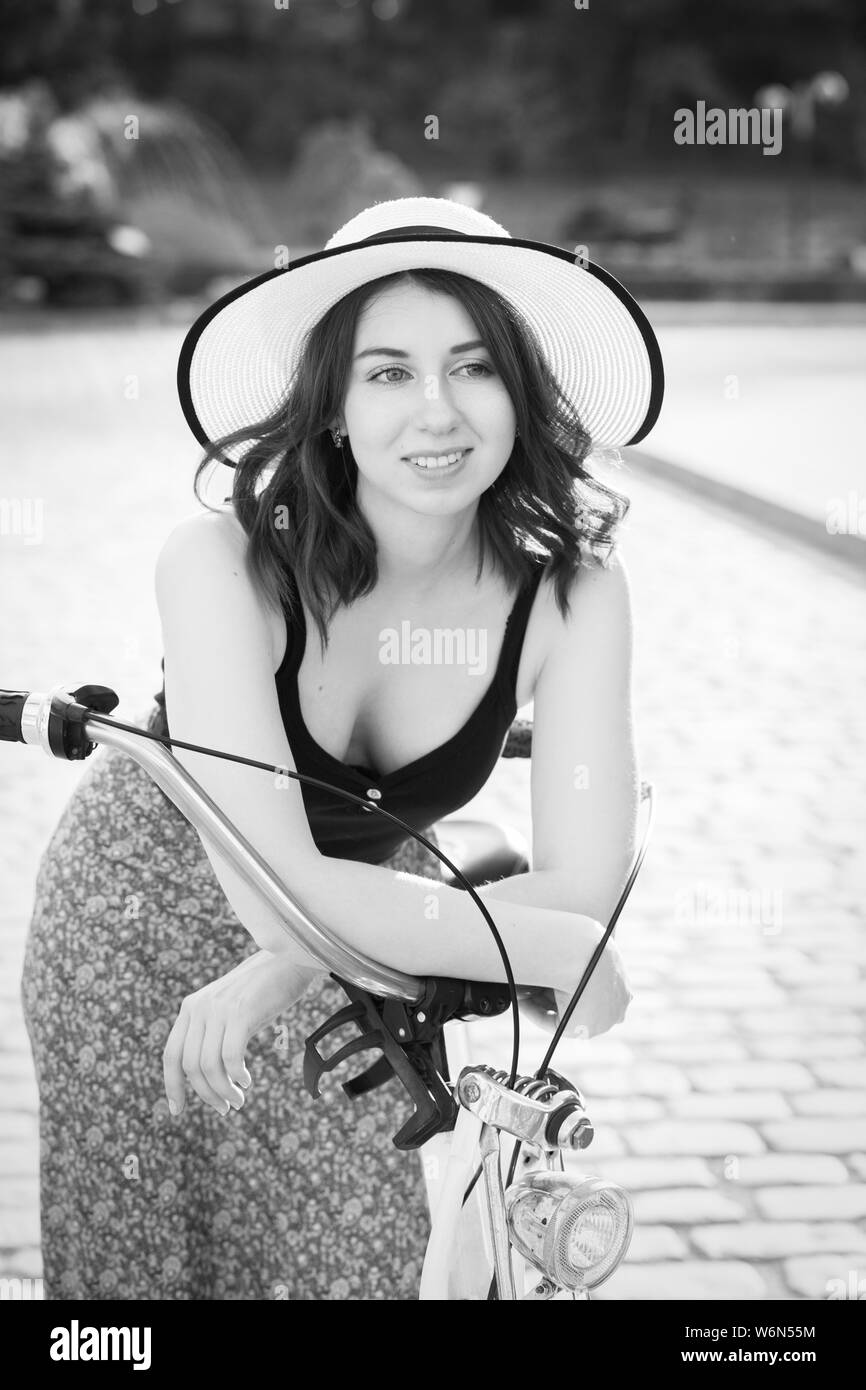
576, 1230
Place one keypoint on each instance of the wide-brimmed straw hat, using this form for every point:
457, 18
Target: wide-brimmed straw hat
241, 353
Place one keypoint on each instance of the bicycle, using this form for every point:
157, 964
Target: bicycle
548, 1234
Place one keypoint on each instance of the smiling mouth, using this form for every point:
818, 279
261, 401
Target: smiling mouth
434, 462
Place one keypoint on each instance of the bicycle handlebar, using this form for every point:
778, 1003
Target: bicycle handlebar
12, 704
59, 724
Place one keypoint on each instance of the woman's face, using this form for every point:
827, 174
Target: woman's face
429, 389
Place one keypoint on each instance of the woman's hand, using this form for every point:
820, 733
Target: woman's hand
602, 1005
206, 1045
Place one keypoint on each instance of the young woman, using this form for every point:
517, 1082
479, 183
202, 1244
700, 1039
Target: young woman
408, 414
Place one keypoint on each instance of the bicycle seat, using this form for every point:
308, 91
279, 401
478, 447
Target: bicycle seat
484, 852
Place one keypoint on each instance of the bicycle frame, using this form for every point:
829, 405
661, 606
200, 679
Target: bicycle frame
486, 1107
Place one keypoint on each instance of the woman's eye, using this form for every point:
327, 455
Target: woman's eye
383, 370
486, 369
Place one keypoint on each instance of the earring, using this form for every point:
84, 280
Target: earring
337, 438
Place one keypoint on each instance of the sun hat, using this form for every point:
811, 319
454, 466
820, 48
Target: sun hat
241, 353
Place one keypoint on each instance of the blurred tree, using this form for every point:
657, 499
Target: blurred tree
527, 83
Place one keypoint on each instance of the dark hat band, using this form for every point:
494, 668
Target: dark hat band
410, 231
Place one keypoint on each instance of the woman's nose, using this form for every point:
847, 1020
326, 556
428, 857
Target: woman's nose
437, 405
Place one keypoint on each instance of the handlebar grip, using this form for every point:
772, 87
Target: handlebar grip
12, 704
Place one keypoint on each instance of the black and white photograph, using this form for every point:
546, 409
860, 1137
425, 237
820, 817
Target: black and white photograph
433, 559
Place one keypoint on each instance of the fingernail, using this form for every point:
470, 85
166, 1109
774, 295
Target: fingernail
173, 1107
224, 1108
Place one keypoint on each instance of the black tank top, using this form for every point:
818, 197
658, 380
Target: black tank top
432, 786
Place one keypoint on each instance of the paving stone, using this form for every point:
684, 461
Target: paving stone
736, 998
23, 1263
730, 1105
18, 1191
816, 972
831, 1277
797, 1168
851, 1073
18, 1226
842, 1202
18, 1093
850, 996
828, 1136
848, 945
649, 1005
677, 1024
605, 1051
747, 1076
685, 1206
702, 1050
701, 1137
686, 1280
830, 1102
800, 1021
638, 1174
16, 1064
19, 1125
806, 1050
620, 1111
19, 1158
719, 971
656, 1243
643, 1079
771, 1240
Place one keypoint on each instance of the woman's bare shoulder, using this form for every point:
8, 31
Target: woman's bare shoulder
205, 529
205, 552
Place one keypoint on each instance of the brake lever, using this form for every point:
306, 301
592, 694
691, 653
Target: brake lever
410, 1039
404, 1040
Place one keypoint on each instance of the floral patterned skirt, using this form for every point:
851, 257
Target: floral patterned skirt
287, 1198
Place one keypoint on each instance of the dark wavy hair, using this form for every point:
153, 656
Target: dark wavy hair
294, 489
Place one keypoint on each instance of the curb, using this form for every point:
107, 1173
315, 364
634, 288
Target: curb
771, 516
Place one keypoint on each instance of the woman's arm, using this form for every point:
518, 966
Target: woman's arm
220, 691
584, 773
427, 928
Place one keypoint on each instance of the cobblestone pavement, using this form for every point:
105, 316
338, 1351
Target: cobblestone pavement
737, 378
731, 1102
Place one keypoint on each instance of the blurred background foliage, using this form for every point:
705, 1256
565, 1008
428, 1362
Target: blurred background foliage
280, 120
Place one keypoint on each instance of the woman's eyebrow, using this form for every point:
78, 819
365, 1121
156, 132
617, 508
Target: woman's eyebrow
398, 352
